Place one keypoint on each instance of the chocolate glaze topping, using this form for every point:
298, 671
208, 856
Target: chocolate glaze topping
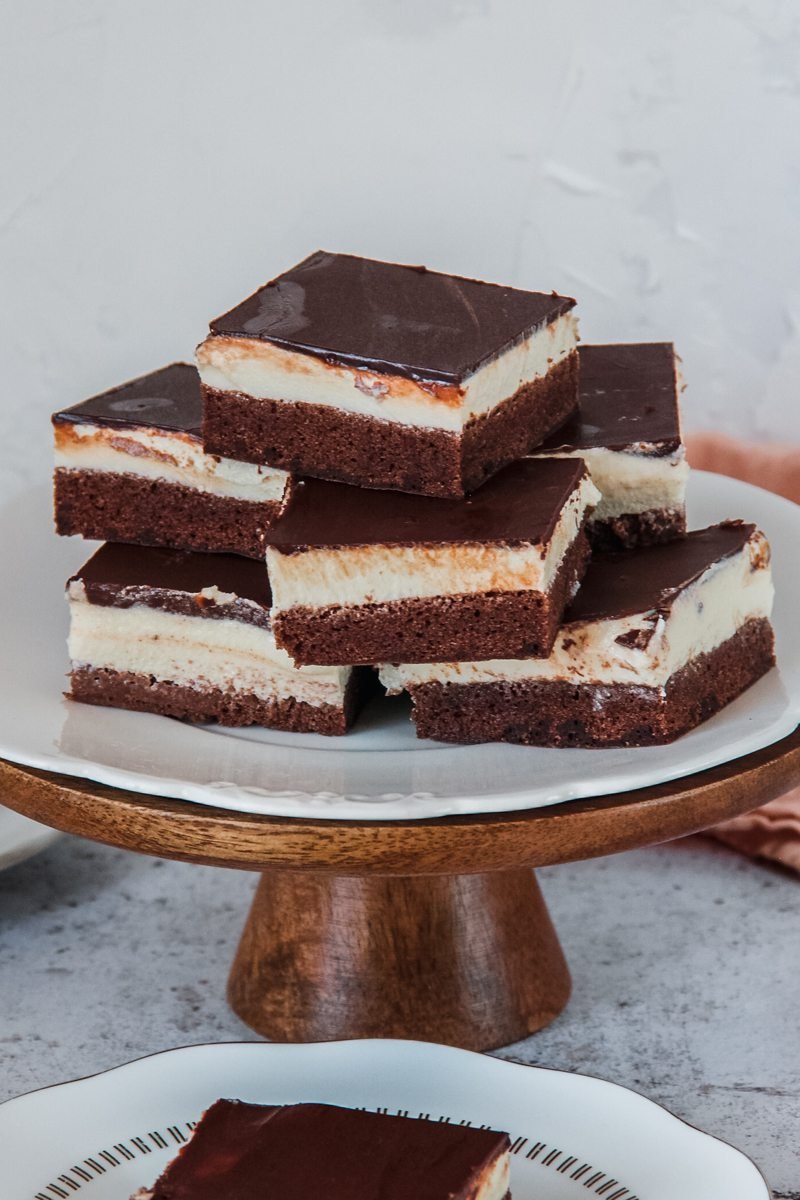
120, 576
166, 399
301, 1151
519, 505
395, 319
627, 395
650, 579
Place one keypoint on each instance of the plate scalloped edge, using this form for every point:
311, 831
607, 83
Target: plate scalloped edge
502, 1083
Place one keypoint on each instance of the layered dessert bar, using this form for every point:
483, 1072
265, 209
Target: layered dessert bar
189, 635
367, 577
387, 376
656, 641
130, 467
627, 430
313, 1151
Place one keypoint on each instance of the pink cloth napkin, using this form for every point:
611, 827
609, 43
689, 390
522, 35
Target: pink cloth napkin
772, 831
769, 465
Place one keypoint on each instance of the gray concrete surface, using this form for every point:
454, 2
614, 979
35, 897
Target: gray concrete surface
684, 959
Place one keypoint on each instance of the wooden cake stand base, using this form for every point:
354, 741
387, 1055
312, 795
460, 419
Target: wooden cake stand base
434, 930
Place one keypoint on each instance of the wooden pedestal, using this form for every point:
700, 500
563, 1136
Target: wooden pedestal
471, 960
420, 929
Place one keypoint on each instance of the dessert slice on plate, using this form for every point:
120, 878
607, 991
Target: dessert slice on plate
627, 430
656, 641
131, 467
189, 635
309, 1151
373, 576
387, 376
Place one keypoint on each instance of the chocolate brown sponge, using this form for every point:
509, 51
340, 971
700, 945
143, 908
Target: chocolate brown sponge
143, 693
560, 714
481, 625
110, 507
327, 443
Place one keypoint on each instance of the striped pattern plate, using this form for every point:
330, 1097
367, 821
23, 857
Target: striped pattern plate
103, 1137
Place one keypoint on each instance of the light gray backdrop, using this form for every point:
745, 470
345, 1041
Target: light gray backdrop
162, 158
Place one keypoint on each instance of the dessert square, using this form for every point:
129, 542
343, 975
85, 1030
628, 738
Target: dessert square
130, 467
387, 376
627, 430
243, 1151
366, 577
189, 635
656, 641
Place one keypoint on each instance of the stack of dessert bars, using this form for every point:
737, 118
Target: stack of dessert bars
379, 471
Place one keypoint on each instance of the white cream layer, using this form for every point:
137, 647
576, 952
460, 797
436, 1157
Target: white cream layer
632, 483
264, 371
196, 652
703, 616
494, 1182
377, 574
171, 457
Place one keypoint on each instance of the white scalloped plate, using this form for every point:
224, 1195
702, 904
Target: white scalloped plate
380, 771
572, 1135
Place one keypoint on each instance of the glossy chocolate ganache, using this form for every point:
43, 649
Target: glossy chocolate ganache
166, 399
395, 319
313, 1151
520, 505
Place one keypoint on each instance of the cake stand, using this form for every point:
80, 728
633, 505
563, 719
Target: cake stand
433, 930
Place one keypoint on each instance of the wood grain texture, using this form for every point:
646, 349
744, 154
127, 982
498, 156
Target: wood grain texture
562, 833
423, 929
470, 960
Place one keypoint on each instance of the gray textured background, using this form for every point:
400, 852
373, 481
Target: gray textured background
684, 962
160, 161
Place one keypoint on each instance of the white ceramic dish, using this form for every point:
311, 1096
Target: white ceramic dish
380, 771
572, 1135
21, 838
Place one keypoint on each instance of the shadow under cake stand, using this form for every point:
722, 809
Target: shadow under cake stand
434, 930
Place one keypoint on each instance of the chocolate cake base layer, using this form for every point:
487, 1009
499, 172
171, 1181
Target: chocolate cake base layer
519, 424
143, 693
329, 443
561, 714
630, 530
112, 507
434, 629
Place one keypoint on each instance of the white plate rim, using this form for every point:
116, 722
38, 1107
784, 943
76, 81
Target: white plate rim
366, 1046
410, 804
